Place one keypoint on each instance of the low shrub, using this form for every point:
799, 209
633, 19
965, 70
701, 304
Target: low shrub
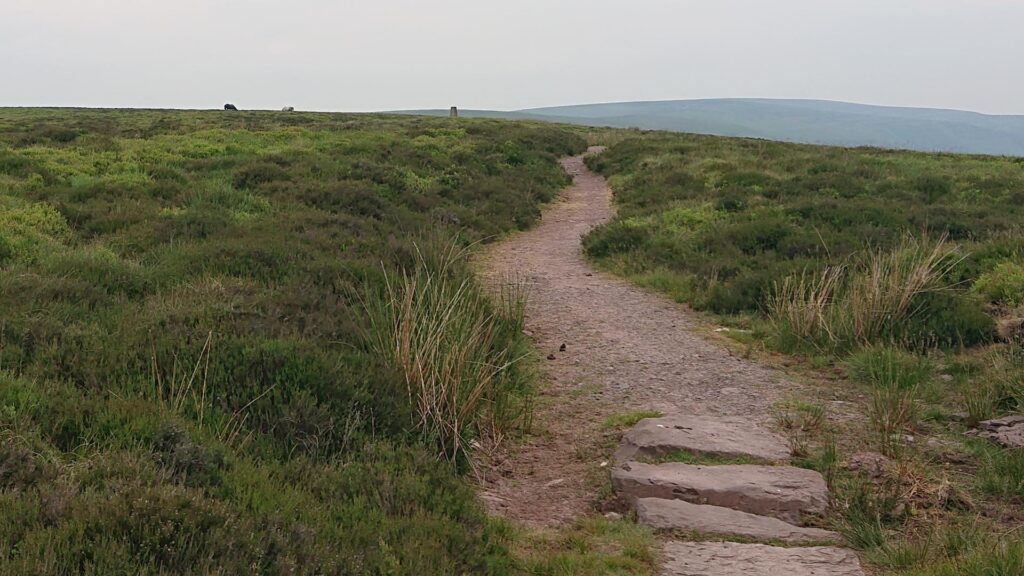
1004, 284
786, 211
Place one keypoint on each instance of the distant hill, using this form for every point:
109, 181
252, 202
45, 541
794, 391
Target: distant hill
809, 121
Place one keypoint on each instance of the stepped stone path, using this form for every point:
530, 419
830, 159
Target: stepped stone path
707, 472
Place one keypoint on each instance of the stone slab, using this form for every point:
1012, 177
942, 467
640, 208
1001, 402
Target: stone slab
782, 492
662, 514
731, 559
724, 436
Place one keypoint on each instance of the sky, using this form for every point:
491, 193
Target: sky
412, 54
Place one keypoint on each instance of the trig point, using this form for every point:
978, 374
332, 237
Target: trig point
453, 112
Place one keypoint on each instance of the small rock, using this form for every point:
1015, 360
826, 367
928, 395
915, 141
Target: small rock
946, 377
588, 274
562, 348
551, 356
959, 417
604, 464
1010, 328
554, 483
871, 463
613, 516
1007, 431
940, 445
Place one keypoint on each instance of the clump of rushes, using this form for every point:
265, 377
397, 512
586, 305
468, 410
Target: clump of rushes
436, 326
801, 421
881, 295
864, 302
895, 376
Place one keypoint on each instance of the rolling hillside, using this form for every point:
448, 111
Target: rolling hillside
807, 121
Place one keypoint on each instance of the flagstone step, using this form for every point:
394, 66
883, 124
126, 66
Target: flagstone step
662, 514
731, 559
782, 492
722, 436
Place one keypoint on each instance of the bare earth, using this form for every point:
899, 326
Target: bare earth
627, 349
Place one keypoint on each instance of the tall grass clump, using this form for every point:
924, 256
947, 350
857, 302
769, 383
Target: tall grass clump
883, 293
1001, 472
801, 307
895, 378
454, 348
871, 299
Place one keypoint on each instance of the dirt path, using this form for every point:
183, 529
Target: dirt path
626, 349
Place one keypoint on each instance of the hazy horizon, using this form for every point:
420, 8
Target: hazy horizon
401, 54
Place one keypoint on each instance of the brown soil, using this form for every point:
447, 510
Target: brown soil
626, 349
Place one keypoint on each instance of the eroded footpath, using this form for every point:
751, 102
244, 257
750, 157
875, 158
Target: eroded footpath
614, 348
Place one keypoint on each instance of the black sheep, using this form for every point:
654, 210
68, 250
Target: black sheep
230, 107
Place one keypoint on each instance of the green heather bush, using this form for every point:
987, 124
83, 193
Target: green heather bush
185, 383
785, 213
1004, 284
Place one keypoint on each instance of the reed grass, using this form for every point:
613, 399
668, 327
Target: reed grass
455, 348
863, 301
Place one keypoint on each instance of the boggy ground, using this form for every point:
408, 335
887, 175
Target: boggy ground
626, 350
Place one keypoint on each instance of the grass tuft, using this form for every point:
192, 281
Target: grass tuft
437, 327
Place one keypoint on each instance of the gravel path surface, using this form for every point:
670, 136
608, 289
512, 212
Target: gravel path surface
626, 349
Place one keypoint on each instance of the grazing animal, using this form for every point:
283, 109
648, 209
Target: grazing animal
230, 107
288, 109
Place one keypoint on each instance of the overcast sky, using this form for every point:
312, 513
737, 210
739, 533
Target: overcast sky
394, 54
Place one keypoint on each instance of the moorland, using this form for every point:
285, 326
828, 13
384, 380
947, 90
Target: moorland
255, 343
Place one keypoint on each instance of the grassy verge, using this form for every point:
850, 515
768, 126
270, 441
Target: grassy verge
194, 376
893, 278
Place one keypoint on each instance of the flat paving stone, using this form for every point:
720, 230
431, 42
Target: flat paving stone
662, 514
724, 436
782, 492
731, 559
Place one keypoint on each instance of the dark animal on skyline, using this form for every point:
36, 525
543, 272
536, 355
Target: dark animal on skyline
230, 107
288, 109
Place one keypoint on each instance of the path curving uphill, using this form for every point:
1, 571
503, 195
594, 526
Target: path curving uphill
613, 348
